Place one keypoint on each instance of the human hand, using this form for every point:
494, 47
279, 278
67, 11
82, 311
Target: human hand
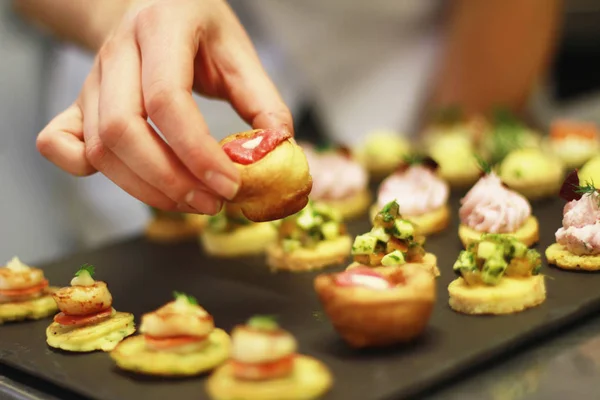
148, 66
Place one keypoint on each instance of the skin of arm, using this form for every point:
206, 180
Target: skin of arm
495, 52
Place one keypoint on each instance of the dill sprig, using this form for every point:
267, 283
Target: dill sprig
182, 296
85, 268
587, 188
485, 166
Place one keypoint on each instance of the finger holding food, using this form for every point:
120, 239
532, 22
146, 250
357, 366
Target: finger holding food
393, 241
532, 172
265, 365
382, 307
490, 207
231, 234
497, 275
577, 244
421, 194
339, 181
275, 178
87, 321
179, 339
382, 152
312, 239
168, 227
573, 142
24, 293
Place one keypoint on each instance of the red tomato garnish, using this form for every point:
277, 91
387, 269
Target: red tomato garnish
260, 371
24, 292
174, 341
65, 319
269, 140
363, 276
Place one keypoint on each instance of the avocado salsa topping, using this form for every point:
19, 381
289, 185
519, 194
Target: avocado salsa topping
391, 241
494, 256
315, 223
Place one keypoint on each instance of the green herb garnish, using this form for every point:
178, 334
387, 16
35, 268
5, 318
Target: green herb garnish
263, 322
588, 188
85, 268
485, 167
182, 296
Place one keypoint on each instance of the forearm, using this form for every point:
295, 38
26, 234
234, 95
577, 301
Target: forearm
496, 50
84, 22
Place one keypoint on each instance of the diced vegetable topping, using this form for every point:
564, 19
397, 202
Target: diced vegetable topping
225, 222
487, 261
391, 241
313, 224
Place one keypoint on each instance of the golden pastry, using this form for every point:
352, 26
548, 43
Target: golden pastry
174, 227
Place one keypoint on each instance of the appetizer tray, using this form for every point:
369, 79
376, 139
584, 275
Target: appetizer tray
142, 276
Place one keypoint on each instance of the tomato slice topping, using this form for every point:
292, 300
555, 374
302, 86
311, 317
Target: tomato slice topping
24, 292
363, 277
267, 370
173, 341
66, 319
252, 149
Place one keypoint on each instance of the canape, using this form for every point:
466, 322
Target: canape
393, 241
87, 321
338, 181
178, 339
373, 308
275, 179
497, 275
491, 207
312, 239
577, 244
532, 172
421, 194
574, 142
265, 365
24, 293
174, 227
230, 234
382, 152
590, 172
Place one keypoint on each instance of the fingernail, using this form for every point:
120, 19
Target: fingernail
222, 184
203, 202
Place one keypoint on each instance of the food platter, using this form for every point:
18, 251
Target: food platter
142, 275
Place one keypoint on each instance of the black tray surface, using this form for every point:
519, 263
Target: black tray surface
142, 276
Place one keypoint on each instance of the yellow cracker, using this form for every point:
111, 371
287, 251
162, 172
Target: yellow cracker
351, 207
132, 355
39, 308
102, 336
326, 253
426, 224
310, 379
509, 296
245, 240
558, 255
528, 233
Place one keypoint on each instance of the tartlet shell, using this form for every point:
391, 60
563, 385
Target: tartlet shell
245, 240
326, 253
428, 264
528, 233
132, 355
558, 255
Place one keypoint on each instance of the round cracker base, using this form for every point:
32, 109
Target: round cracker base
326, 253
310, 379
510, 296
165, 230
528, 233
132, 355
39, 308
558, 255
245, 240
351, 207
102, 336
426, 224
429, 264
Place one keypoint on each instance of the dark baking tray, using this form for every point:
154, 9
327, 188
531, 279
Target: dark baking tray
142, 276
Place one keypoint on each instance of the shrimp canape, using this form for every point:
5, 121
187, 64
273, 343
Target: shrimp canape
421, 194
178, 339
491, 207
169, 227
382, 152
312, 239
574, 142
24, 293
533, 173
230, 234
339, 181
497, 275
590, 172
372, 308
393, 241
87, 322
577, 244
265, 365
